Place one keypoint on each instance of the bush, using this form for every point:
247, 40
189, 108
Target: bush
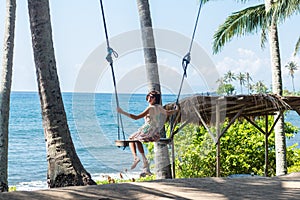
242, 151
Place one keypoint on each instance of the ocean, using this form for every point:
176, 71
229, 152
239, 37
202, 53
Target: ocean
93, 124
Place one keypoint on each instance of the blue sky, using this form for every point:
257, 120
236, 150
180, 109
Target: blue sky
78, 31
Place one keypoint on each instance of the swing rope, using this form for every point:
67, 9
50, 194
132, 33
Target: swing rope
109, 59
185, 62
187, 58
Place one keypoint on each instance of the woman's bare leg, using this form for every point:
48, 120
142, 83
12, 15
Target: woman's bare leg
140, 147
141, 150
133, 151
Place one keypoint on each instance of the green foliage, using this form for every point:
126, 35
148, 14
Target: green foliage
147, 178
150, 154
12, 188
242, 150
111, 181
195, 153
290, 93
293, 160
294, 168
225, 89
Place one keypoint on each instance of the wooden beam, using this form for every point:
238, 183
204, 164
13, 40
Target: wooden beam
255, 125
180, 127
297, 110
231, 122
205, 125
275, 122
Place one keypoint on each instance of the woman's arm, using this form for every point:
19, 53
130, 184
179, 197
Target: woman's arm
132, 116
171, 112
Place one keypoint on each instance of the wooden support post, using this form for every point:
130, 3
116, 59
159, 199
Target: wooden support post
173, 159
218, 130
266, 147
266, 132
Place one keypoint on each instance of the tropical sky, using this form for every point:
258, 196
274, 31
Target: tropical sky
78, 31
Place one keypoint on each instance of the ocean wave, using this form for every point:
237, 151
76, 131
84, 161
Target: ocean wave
41, 185
31, 186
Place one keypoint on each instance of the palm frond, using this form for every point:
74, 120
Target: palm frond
297, 48
263, 38
240, 23
284, 9
204, 1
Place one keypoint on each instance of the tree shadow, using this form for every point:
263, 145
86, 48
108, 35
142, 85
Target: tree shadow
193, 188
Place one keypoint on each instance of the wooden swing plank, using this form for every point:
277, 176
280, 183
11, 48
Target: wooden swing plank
125, 143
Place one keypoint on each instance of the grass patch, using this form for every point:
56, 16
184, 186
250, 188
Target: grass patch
110, 180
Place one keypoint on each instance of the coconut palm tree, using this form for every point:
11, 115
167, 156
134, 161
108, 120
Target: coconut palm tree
292, 67
5, 89
242, 79
229, 77
248, 78
162, 160
251, 88
64, 166
280, 139
249, 20
260, 87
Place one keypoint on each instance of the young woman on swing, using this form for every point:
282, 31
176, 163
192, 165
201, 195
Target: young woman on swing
155, 117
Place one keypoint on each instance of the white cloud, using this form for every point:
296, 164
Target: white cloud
247, 61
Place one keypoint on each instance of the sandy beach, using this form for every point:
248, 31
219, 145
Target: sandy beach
282, 187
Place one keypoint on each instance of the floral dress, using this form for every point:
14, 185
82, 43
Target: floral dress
154, 122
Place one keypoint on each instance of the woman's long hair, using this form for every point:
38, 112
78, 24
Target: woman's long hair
155, 94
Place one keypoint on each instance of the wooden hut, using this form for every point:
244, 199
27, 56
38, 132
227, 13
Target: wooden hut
213, 110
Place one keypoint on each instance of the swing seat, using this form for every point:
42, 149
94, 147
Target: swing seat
125, 143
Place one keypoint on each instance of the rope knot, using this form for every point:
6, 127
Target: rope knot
110, 52
185, 62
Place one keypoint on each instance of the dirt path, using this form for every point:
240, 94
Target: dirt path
285, 187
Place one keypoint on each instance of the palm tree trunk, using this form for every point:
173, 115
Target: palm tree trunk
293, 84
5, 90
280, 142
162, 160
149, 45
64, 166
241, 88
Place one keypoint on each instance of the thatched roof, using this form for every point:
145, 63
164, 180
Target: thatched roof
229, 106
